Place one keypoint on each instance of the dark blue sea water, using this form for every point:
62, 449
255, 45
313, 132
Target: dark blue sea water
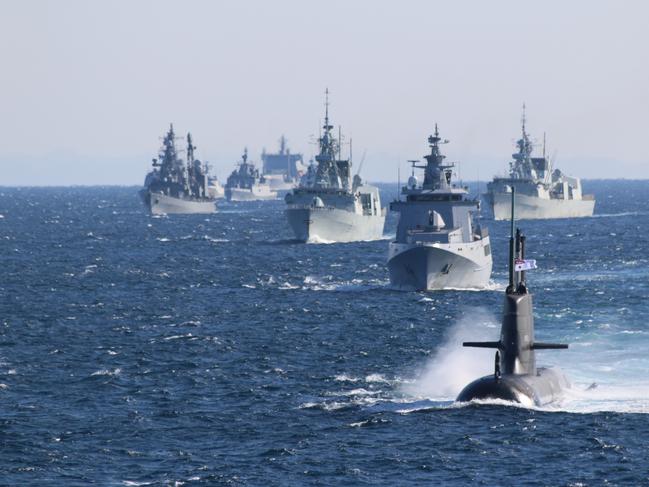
194, 350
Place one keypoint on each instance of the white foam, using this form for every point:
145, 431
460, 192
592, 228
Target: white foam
346, 378
114, 372
215, 240
176, 337
376, 378
620, 398
360, 423
354, 392
454, 366
491, 286
314, 239
288, 286
324, 284
613, 215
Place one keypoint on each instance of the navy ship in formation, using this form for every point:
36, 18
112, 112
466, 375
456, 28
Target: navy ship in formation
247, 184
438, 245
174, 186
283, 169
540, 191
330, 204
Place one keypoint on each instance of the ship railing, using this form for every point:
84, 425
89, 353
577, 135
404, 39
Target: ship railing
311, 207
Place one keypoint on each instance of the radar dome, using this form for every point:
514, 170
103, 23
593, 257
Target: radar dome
317, 202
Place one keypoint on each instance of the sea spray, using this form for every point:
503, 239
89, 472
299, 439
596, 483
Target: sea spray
594, 398
453, 366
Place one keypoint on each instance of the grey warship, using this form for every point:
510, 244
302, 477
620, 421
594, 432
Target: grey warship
540, 192
175, 187
437, 245
246, 184
516, 377
330, 205
283, 169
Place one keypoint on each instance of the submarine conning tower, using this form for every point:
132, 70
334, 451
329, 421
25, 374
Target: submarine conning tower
515, 373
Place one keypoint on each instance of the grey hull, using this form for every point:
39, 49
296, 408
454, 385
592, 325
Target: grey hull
279, 185
160, 204
429, 267
531, 207
334, 225
236, 194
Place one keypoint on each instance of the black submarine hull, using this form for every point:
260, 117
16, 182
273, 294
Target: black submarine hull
543, 388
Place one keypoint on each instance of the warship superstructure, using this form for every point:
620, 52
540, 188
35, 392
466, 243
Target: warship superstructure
214, 188
331, 205
437, 245
175, 187
283, 169
540, 191
246, 184
516, 376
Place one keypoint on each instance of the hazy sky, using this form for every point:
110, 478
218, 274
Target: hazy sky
88, 87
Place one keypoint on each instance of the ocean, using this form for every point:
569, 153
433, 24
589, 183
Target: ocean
215, 350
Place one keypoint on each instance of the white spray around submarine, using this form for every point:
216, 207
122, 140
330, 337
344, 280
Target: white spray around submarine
453, 366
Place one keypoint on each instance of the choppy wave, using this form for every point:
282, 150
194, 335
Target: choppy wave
172, 337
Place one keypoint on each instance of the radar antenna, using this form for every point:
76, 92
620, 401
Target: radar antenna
327, 127
523, 119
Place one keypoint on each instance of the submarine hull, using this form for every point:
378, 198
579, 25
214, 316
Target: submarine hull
529, 390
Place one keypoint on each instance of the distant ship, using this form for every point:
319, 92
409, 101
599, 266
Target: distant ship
214, 188
282, 170
175, 187
540, 192
437, 245
246, 184
331, 206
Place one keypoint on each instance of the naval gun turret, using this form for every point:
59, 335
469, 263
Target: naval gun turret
516, 376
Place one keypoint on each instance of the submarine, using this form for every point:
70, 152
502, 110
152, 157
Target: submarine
516, 377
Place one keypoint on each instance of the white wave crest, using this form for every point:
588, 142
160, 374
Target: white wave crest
113, 372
